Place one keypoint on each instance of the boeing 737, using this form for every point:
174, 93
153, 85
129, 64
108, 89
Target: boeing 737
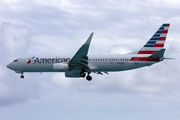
82, 64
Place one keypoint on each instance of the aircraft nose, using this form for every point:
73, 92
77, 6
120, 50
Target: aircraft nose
9, 66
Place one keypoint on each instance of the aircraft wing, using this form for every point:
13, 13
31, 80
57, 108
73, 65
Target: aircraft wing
80, 58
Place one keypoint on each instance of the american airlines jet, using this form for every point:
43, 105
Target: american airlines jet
82, 64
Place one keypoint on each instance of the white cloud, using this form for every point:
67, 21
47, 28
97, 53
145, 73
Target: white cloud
122, 49
14, 41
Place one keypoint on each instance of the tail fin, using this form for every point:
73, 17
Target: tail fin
156, 42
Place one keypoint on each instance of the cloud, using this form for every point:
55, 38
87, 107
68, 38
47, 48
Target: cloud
14, 40
122, 49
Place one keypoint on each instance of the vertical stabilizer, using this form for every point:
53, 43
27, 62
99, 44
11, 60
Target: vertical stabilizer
156, 42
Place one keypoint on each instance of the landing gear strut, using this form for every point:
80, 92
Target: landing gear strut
89, 78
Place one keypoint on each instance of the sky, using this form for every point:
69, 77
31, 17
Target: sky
60, 27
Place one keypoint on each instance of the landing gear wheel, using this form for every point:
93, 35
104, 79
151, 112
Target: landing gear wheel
22, 76
82, 74
89, 78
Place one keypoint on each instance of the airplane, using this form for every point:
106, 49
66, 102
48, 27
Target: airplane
82, 64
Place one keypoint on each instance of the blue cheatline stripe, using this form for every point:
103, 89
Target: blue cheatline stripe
154, 38
159, 31
164, 24
156, 35
149, 45
151, 41
161, 28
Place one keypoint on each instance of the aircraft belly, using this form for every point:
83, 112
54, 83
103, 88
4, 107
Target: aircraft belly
145, 63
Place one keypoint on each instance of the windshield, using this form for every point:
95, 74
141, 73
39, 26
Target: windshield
15, 60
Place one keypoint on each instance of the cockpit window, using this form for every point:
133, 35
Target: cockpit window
15, 60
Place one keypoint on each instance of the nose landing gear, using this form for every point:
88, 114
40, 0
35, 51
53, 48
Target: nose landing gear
22, 76
20, 72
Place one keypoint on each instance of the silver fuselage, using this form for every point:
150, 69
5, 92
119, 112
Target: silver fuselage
103, 63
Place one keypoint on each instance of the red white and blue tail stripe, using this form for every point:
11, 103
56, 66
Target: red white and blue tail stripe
156, 42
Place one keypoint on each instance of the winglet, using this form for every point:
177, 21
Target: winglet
89, 39
82, 52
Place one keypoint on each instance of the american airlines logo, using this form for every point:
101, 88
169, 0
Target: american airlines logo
30, 60
48, 60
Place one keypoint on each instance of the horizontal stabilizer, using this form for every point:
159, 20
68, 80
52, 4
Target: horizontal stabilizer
158, 54
169, 58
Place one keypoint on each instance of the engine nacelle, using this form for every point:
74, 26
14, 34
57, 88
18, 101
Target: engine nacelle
72, 74
61, 67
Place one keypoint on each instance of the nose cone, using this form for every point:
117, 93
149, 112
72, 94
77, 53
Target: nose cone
9, 66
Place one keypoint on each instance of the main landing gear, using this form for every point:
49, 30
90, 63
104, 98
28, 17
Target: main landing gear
89, 78
83, 74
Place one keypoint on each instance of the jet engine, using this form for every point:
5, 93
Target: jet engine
61, 67
72, 74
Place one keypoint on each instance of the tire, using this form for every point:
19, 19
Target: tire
22, 76
82, 74
89, 78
